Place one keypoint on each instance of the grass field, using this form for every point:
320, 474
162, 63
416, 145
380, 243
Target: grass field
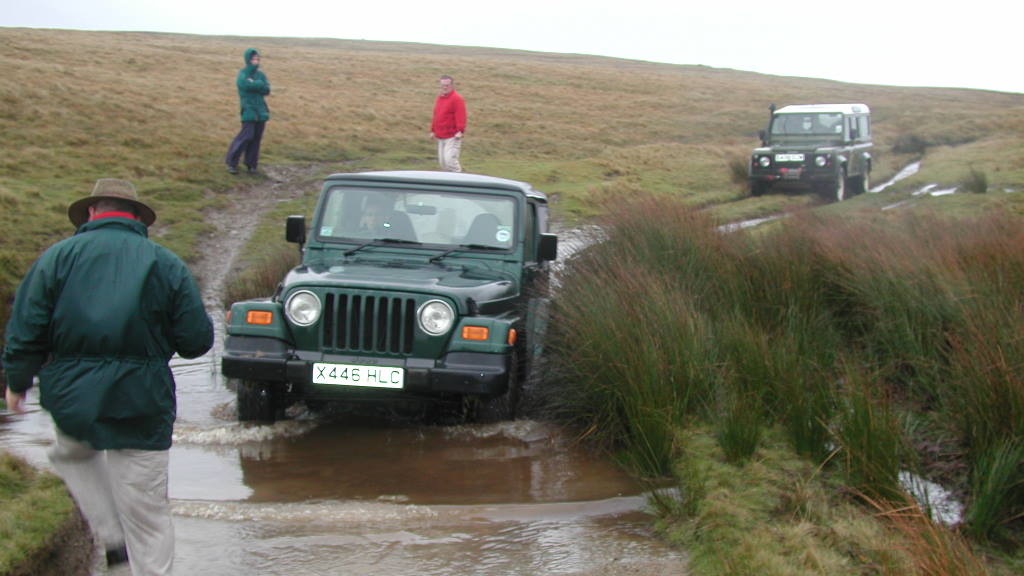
160, 109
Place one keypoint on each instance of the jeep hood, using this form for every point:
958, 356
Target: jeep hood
482, 285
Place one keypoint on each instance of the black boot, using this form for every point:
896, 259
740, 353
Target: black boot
117, 555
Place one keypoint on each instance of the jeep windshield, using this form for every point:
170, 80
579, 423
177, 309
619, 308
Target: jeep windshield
403, 218
807, 126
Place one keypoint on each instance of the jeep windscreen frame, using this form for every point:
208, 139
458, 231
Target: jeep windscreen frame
440, 220
809, 126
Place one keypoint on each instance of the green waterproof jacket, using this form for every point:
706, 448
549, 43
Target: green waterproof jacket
252, 87
97, 318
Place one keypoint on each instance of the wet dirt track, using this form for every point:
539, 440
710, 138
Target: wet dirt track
322, 496
317, 496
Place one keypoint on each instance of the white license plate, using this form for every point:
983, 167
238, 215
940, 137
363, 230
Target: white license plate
789, 157
358, 375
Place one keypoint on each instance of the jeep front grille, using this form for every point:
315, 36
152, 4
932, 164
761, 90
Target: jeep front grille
367, 323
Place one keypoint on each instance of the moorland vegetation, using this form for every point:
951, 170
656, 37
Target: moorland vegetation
785, 377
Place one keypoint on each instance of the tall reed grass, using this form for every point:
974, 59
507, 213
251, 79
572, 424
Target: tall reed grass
828, 328
261, 278
934, 550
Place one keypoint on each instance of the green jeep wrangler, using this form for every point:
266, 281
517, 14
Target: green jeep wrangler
413, 286
826, 147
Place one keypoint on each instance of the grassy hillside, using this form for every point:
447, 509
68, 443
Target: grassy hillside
160, 109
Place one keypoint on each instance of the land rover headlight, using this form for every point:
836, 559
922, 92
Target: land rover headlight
302, 308
821, 161
436, 317
764, 161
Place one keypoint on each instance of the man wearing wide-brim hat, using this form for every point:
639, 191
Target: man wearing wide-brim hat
97, 318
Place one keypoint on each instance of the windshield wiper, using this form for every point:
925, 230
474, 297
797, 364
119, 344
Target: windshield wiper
397, 241
379, 242
461, 248
358, 248
437, 259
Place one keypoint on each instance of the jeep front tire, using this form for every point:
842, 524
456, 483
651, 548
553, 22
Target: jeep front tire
257, 401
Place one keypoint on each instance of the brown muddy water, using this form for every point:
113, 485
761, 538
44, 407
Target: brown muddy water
322, 496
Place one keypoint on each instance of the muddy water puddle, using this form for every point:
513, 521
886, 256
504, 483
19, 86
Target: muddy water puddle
323, 495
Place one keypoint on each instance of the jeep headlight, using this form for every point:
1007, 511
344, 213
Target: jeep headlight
764, 161
821, 161
302, 308
436, 317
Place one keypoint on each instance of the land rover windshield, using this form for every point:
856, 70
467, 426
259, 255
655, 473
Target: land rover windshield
810, 125
445, 220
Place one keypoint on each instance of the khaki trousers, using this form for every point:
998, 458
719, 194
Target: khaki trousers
448, 151
123, 496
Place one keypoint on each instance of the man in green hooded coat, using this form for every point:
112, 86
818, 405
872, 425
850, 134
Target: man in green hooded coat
97, 318
252, 86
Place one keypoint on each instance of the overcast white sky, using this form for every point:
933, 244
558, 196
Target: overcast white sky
974, 44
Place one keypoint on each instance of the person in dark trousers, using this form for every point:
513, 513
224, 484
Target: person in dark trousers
252, 86
97, 318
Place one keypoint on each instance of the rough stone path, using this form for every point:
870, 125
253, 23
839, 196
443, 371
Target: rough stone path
233, 225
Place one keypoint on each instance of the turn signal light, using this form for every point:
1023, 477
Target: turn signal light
512, 335
475, 333
261, 317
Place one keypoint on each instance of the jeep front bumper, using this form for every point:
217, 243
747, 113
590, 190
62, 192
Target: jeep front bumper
271, 360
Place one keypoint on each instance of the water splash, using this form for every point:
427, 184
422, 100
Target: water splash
241, 433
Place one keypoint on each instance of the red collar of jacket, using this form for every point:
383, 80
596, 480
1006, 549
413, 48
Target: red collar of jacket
114, 215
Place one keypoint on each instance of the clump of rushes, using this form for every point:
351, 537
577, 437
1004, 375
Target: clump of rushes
636, 368
260, 280
739, 426
933, 549
909, 144
869, 438
824, 330
997, 490
636, 349
976, 182
748, 377
738, 169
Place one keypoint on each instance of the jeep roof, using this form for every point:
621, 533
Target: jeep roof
441, 178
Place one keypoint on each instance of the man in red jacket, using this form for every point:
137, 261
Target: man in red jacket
448, 125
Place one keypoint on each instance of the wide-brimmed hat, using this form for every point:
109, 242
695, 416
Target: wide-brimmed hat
114, 189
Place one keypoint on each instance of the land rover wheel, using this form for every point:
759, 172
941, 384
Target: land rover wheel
860, 184
836, 190
503, 406
759, 188
257, 401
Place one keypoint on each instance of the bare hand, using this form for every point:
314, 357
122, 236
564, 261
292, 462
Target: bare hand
15, 401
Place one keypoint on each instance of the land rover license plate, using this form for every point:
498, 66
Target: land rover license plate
789, 157
358, 375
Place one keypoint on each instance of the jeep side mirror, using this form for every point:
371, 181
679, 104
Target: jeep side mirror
762, 135
547, 250
295, 229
